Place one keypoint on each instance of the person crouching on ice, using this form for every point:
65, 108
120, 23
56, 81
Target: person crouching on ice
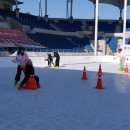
50, 60
122, 57
29, 71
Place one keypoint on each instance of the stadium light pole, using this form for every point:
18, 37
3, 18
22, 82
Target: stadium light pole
96, 28
67, 13
39, 8
121, 6
71, 9
124, 24
45, 7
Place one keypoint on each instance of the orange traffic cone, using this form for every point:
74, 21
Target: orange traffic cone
100, 70
126, 69
99, 81
31, 83
84, 77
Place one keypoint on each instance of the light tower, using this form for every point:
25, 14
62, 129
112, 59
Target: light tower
46, 15
71, 11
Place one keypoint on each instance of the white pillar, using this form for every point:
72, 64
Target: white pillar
124, 24
96, 28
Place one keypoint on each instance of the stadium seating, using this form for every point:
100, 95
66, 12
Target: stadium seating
62, 43
65, 25
127, 40
83, 42
66, 43
89, 48
15, 38
106, 27
34, 21
112, 43
52, 41
27, 19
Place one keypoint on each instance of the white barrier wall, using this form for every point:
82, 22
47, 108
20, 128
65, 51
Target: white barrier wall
40, 61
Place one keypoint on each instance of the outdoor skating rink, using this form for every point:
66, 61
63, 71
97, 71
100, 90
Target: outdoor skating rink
64, 101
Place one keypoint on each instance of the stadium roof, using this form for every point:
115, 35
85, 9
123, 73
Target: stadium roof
117, 3
13, 2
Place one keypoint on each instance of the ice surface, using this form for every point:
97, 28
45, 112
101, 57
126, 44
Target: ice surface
65, 102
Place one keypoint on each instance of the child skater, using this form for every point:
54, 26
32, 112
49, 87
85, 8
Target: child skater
50, 60
122, 57
29, 71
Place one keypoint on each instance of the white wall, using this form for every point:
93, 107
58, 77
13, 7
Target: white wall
40, 61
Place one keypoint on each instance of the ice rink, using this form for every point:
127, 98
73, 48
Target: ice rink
64, 101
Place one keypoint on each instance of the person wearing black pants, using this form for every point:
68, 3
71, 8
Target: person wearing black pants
57, 61
18, 74
29, 71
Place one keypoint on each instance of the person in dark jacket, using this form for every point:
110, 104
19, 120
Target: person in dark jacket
29, 71
57, 58
50, 60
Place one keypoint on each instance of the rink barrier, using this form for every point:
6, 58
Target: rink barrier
39, 61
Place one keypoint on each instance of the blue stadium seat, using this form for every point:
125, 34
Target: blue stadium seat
65, 25
113, 44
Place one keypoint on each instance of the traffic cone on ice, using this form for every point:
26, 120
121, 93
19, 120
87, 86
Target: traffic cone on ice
31, 83
99, 81
126, 69
84, 77
100, 70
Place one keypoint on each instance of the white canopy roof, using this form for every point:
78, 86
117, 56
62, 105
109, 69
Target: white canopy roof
117, 3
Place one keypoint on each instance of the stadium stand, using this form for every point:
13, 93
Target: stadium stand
65, 25
53, 41
106, 27
15, 38
62, 43
56, 41
127, 41
27, 19
112, 43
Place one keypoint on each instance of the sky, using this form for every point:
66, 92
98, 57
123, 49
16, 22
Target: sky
81, 9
